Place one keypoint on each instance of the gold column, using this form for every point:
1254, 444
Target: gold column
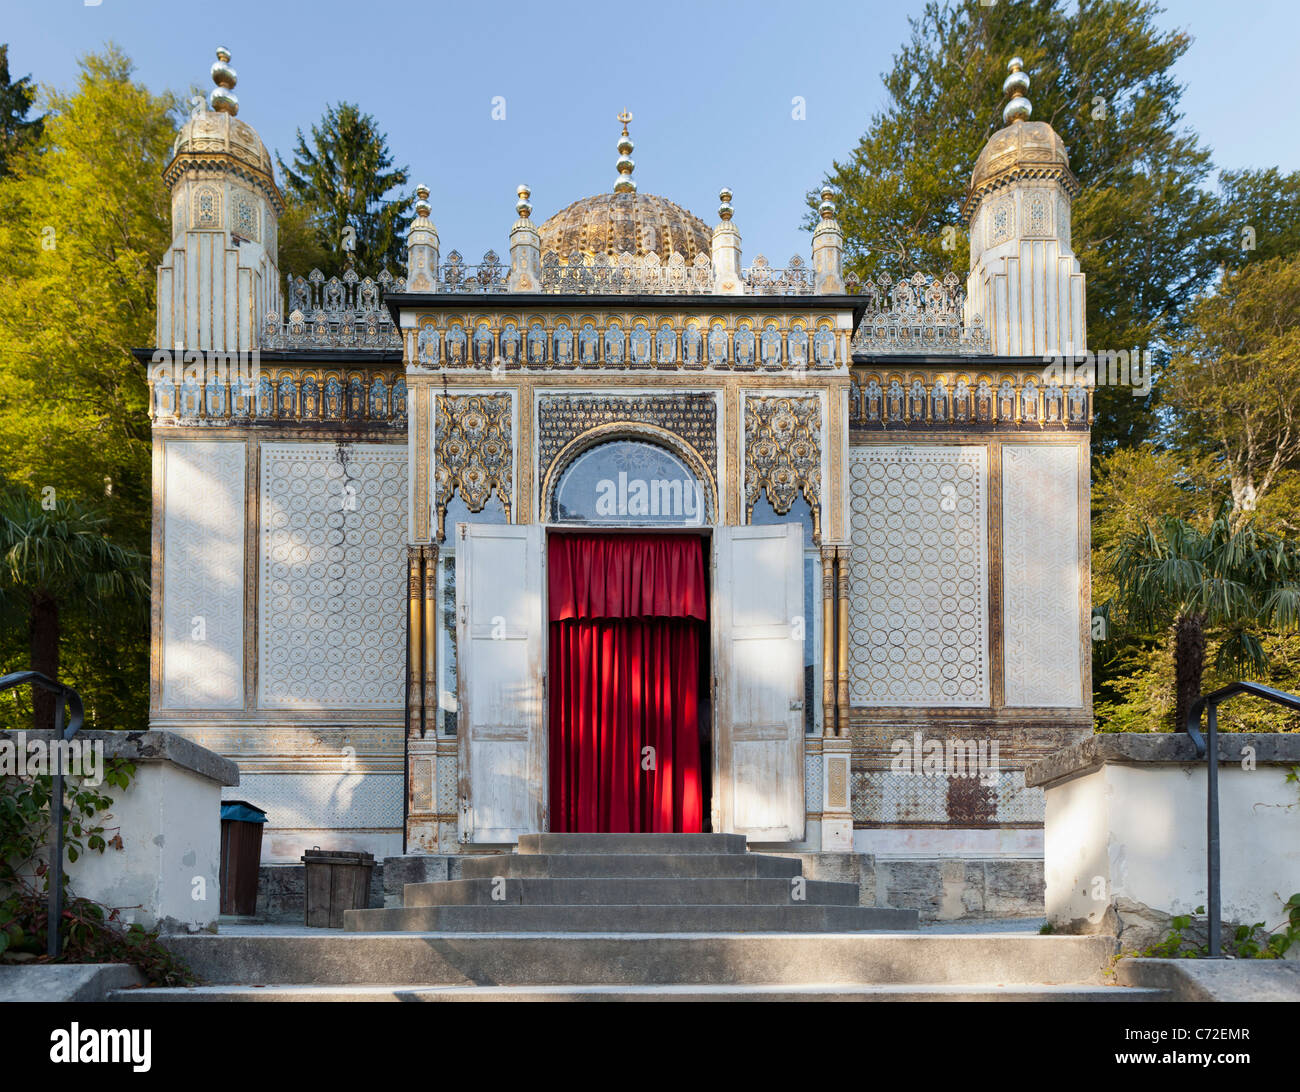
430, 639
419, 439
733, 428
524, 457
414, 642
828, 641
842, 681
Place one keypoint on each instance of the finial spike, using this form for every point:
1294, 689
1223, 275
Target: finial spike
827, 207
524, 209
222, 97
1017, 86
725, 210
625, 164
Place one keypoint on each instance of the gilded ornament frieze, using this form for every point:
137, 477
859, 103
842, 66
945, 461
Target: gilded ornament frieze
783, 455
631, 340
473, 452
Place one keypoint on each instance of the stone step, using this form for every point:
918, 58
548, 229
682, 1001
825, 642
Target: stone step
632, 843
628, 918
613, 865
583, 891
329, 957
631, 918
973, 992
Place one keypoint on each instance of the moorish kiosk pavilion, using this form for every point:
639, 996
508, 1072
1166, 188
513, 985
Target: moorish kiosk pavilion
622, 533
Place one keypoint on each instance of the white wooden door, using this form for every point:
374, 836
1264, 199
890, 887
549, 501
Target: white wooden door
500, 631
759, 631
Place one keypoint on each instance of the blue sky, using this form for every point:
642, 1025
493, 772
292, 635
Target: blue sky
710, 84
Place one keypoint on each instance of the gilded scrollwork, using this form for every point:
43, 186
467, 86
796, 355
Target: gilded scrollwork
783, 455
474, 454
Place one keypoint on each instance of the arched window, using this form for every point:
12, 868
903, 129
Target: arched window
629, 482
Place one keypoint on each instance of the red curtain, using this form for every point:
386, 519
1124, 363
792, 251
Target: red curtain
626, 614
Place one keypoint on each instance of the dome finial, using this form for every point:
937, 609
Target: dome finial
222, 97
523, 207
725, 211
1017, 86
625, 164
827, 207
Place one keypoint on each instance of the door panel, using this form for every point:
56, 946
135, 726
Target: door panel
758, 763
500, 630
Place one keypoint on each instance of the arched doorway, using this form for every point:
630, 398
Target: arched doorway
628, 642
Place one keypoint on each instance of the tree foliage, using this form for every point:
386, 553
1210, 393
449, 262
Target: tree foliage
1235, 378
1148, 235
16, 100
84, 218
339, 179
1239, 580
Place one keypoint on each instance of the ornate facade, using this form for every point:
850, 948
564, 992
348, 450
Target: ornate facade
330, 460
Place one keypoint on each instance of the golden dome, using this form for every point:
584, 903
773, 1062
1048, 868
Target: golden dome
214, 132
610, 223
1021, 149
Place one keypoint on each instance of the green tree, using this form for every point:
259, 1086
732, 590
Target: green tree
340, 178
16, 99
56, 559
84, 216
1262, 212
1147, 234
1242, 582
1235, 380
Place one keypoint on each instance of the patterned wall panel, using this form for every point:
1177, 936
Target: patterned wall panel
883, 797
812, 783
918, 629
203, 576
1040, 574
317, 801
333, 573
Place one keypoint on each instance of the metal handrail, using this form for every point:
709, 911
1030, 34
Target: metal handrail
65, 698
1208, 748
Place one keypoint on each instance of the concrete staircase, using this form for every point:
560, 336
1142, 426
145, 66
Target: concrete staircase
630, 883
632, 918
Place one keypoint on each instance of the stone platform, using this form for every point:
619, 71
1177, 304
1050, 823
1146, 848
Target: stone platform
653, 883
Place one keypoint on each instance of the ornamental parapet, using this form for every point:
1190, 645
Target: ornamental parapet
920, 314
983, 394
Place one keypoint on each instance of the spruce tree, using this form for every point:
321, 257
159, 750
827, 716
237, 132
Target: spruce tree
16, 99
340, 178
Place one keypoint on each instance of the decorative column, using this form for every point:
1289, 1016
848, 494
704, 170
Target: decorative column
525, 248
727, 278
421, 833
828, 641
430, 638
422, 247
828, 249
836, 742
414, 642
842, 672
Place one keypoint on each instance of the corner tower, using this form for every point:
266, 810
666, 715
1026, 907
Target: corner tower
1025, 282
220, 275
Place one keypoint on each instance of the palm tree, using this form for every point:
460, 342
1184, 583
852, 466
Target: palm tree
57, 559
1239, 580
